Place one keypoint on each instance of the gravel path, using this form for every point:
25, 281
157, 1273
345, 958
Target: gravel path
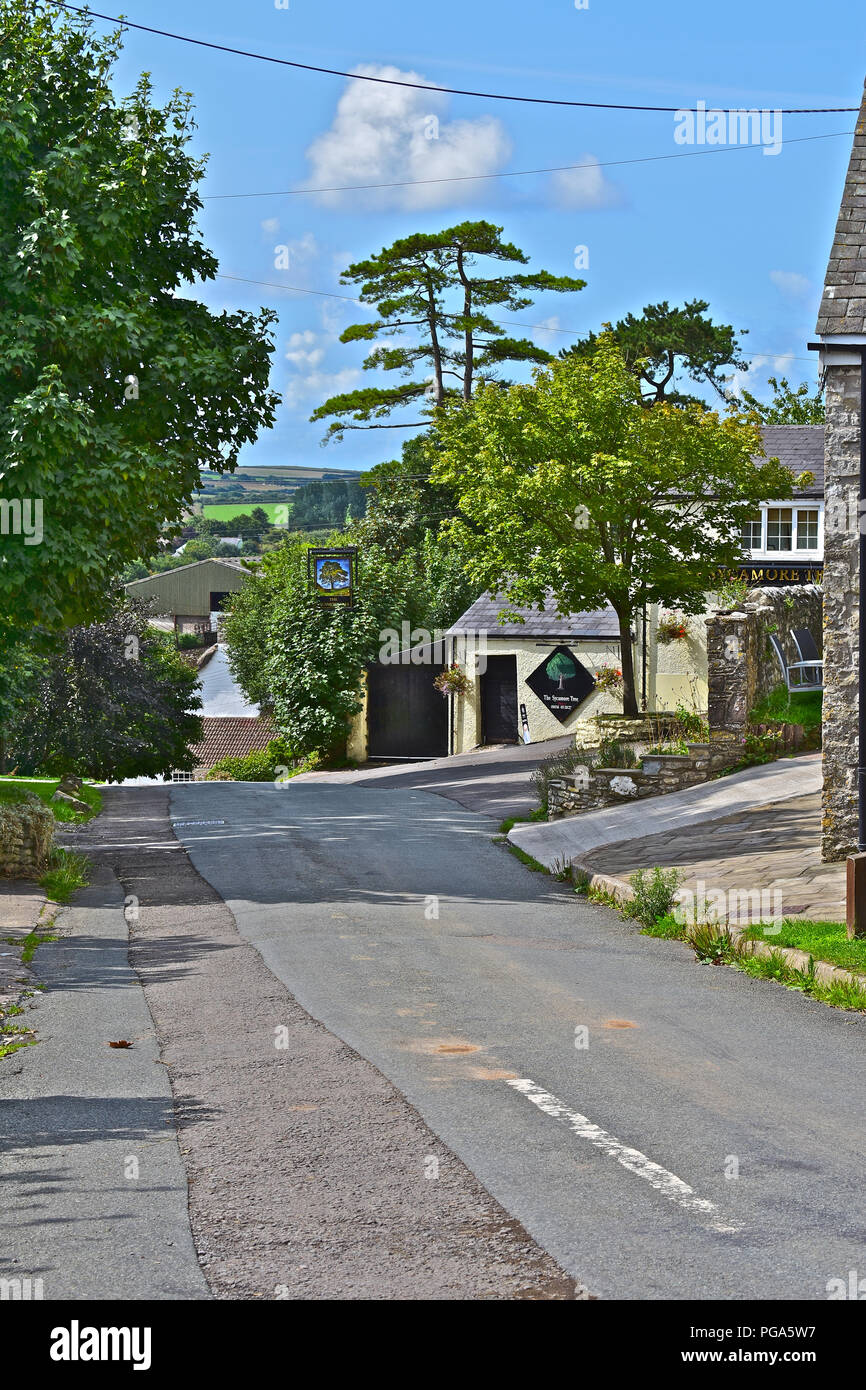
310, 1176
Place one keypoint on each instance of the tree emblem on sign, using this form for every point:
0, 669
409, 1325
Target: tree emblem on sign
331, 572
560, 667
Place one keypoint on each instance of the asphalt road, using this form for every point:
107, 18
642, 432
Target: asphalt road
705, 1143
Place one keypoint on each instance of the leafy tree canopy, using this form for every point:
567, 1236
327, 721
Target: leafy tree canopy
430, 287
116, 387
571, 488
664, 343
112, 700
790, 405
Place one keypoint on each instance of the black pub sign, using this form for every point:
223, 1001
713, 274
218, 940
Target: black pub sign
762, 573
332, 575
561, 683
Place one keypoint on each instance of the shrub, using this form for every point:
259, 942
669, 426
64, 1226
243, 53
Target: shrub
261, 765
711, 944
691, 725
612, 753
654, 894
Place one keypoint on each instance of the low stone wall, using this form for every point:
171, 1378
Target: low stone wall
742, 666
26, 831
589, 789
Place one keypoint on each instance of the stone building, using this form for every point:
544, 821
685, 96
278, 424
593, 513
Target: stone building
842, 341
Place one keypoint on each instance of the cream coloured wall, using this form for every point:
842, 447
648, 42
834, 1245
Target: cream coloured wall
529, 653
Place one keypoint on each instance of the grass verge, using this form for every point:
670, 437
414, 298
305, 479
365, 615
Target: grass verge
67, 871
14, 788
826, 941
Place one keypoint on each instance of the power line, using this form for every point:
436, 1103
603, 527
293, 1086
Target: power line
513, 173
417, 86
518, 323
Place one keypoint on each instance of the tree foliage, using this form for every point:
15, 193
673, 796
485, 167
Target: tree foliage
113, 700
430, 287
664, 343
116, 386
571, 488
790, 405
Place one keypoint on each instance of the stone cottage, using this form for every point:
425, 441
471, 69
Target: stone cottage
842, 345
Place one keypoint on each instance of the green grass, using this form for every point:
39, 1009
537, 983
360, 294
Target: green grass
524, 858
28, 945
67, 872
13, 788
824, 940
781, 708
538, 814
224, 511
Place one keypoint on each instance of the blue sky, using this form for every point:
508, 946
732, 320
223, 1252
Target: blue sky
750, 232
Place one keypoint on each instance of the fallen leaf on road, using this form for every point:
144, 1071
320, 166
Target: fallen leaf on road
122, 1043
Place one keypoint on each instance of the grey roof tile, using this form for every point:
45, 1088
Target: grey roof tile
838, 315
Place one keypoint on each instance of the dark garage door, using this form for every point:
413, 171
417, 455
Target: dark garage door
406, 717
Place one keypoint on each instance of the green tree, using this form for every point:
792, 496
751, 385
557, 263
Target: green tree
560, 668
116, 386
571, 487
430, 286
790, 405
402, 504
664, 343
112, 700
303, 662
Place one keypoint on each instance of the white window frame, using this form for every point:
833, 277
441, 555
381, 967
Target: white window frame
794, 506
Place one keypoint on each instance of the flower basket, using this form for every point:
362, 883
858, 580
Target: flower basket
672, 627
452, 681
608, 678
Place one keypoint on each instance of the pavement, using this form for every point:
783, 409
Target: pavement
94, 1190
663, 1129
772, 854
571, 838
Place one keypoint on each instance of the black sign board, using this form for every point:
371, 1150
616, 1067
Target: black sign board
332, 575
561, 683
762, 573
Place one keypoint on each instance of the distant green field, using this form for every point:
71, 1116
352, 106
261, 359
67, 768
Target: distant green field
224, 511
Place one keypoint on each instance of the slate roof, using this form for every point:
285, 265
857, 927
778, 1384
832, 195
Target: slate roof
843, 306
483, 614
800, 448
231, 736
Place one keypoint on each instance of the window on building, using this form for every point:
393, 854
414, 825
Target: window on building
779, 529
807, 530
752, 529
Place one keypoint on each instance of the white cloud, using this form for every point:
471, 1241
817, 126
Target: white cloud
792, 285
545, 333
585, 186
755, 379
383, 134
319, 386
305, 349
270, 226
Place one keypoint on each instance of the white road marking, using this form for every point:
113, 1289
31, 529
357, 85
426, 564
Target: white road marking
665, 1182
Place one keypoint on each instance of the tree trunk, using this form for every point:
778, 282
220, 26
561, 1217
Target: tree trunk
469, 359
629, 692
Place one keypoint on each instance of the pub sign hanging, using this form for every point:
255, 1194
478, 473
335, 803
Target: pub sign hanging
333, 575
561, 683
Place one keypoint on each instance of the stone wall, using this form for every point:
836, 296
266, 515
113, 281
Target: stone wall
26, 831
589, 788
742, 666
841, 611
